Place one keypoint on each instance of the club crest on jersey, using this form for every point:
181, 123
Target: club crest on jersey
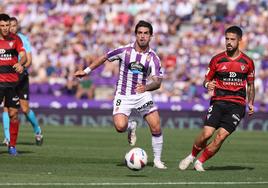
243, 67
11, 43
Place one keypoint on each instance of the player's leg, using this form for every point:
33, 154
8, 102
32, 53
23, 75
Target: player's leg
122, 107
23, 92
12, 102
212, 148
231, 117
6, 122
30, 116
5, 118
199, 144
131, 128
153, 121
211, 123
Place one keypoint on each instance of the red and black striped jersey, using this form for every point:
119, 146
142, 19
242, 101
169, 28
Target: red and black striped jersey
10, 47
231, 76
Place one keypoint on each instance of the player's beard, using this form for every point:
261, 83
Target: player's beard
231, 52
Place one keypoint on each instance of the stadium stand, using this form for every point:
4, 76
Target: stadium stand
68, 34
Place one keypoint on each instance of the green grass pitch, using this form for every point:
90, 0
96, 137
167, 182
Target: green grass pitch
93, 157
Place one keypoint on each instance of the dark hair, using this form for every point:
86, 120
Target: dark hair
143, 23
234, 29
4, 17
13, 19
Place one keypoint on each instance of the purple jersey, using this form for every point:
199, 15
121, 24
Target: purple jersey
135, 67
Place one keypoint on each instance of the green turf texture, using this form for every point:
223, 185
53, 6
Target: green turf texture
95, 155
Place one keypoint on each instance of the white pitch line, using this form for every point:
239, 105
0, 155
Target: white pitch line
124, 184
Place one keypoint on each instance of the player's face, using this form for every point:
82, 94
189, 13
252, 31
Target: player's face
232, 42
143, 37
4, 28
13, 27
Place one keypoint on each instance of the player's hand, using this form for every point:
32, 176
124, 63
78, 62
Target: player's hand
211, 85
79, 74
140, 88
18, 68
250, 109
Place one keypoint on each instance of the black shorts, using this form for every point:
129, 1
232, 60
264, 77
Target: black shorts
9, 95
225, 114
22, 88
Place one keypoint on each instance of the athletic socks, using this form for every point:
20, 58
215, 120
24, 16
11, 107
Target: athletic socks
157, 144
6, 122
14, 129
205, 155
31, 117
195, 150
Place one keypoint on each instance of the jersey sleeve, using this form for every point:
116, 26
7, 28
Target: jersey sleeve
19, 45
115, 54
155, 67
211, 69
251, 72
27, 45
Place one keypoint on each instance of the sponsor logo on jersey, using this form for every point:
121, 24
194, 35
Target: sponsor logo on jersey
2, 51
243, 67
136, 67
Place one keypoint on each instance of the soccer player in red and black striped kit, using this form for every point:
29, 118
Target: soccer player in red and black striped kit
230, 78
10, 48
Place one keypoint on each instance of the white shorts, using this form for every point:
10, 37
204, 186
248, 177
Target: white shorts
143, 103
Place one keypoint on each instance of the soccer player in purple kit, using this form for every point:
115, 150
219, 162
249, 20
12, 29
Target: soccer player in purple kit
137, 62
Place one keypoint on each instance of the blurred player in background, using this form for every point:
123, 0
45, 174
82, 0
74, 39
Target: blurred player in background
10, 48
137, 62
230, 77
22, 90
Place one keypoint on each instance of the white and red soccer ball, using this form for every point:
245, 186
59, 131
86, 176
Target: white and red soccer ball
136, 159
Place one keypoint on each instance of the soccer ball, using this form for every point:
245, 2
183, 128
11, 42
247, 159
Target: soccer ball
136, 159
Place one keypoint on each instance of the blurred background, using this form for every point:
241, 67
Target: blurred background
67, 35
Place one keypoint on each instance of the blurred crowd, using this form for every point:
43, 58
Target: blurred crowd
67, 35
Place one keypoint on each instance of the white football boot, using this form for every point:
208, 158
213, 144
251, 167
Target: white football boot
198, 166
185, 163
159, 164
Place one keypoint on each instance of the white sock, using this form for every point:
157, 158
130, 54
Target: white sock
157, 144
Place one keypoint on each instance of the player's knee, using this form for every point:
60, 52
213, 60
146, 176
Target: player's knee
206, 135
13, 115
120, 127
25, 110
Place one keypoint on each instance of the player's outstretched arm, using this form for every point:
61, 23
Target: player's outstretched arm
92, 66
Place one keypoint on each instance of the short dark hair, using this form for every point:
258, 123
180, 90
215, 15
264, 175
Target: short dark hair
14, 19
234, 29
143, 23
4, 17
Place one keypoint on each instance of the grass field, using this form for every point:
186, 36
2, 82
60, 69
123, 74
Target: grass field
93, 157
